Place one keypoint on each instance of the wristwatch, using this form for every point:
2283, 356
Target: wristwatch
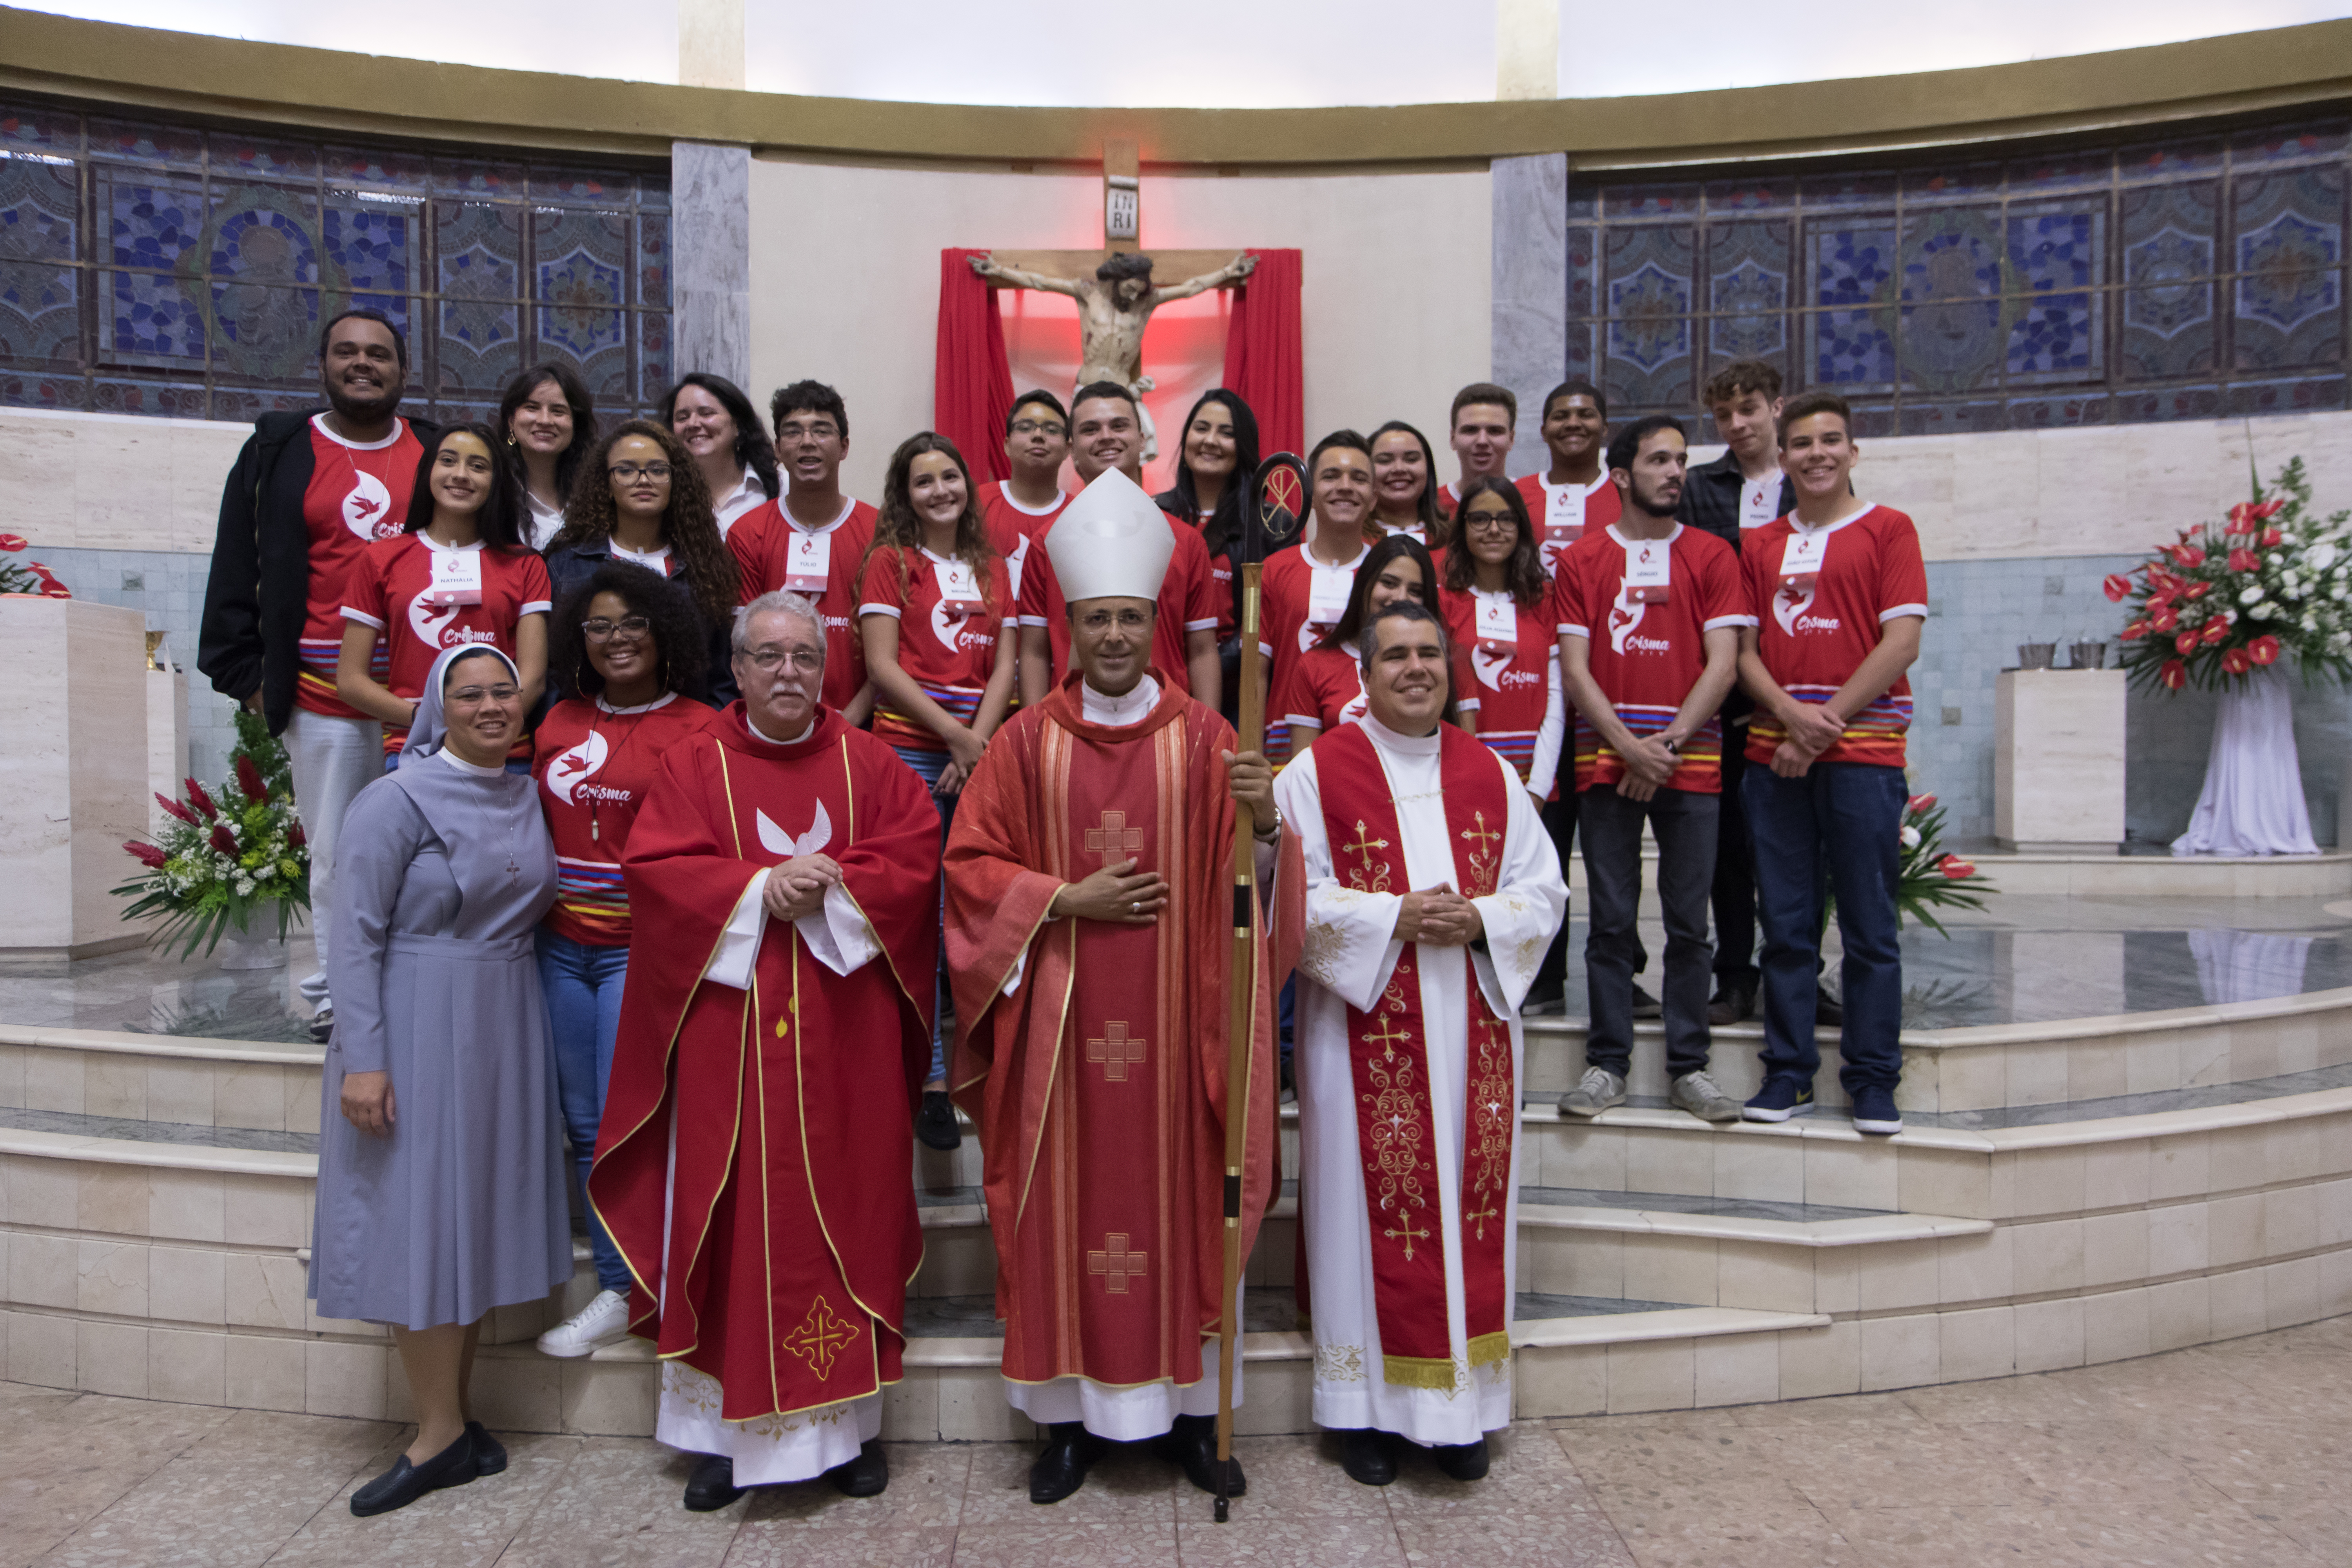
1267, 834
1675, 747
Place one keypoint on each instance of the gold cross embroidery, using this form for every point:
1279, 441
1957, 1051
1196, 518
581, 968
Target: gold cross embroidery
1479, 1218
1364, 845
1113, 837
821, 1338
1482, 854
1116, 1050
1387, 1038
1403, 1230
1116, 1263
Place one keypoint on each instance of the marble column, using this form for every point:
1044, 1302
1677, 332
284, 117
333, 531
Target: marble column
710, 229
1528, 336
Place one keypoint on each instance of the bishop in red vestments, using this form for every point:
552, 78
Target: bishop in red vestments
1090, 935
756, 1163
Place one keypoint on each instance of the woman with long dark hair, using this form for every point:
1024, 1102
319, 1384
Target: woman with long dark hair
1217, 457
1326, 688
1498, 611
641, 500
729, 444
1405, 486
458, 572
550, 421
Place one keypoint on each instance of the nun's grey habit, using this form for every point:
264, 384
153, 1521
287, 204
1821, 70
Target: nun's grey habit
441, 872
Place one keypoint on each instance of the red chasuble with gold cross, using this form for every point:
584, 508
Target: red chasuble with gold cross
1098, 1083
772, 1239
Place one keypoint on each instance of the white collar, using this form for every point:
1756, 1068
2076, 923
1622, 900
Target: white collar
621, 552
539, 507
1004, 488
399, 429
1856, 515
749, 482
1410, 746
760, 734
1572, 488
1117, 712
1362, 550
662, 701
432, 544
1629, 543
848, 505
471, 770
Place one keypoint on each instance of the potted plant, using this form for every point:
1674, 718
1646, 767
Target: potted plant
31, 577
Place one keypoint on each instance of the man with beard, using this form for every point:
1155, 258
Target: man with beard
1650, 616
1107, 434
310, 492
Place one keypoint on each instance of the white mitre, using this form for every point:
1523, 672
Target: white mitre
1112, 541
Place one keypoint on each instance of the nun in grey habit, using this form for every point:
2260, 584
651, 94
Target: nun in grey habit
443, 1197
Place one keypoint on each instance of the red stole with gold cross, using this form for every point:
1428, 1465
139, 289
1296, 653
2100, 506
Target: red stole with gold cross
1388, 1055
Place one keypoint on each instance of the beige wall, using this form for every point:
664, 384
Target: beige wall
846, 267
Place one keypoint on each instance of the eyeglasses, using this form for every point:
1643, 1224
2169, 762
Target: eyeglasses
1490, 523
480, 694
625, 472
1099, 621
768, 660
1036, 427
629, 628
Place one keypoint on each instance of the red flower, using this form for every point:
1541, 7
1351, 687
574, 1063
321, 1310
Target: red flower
2164, 618
147, 855
2245, 560
2264, 650
2186, 643
2269, 508
2118, 586
203, 802
295, 837
221, 841
176, 809
1953, 866
2198, 590
2217, 632
249, 779
1919, 803
2235, 661
2242, 518
13, 542
2271, 537
2185, 556
2175, 675
2135, 631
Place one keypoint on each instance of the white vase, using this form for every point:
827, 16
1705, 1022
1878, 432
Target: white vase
246, 951
2253, 801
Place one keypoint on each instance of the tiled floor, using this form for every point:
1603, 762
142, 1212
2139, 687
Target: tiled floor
2230, 1455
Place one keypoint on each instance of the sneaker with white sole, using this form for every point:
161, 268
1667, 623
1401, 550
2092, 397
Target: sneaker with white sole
1696, 1093
1875, 1113
1778, 1099
1597, 1091
605, 1317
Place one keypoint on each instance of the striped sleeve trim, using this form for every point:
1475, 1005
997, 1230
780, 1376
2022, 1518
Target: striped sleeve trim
362, 617
1887, 615
890, 610
1722, 621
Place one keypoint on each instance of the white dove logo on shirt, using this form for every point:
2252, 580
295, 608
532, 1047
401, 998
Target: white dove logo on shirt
1624, 616
574, 767
1488, 661
1788, 607
367, 509
776, 841
429, 621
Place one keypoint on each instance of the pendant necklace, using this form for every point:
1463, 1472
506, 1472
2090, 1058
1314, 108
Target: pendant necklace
514, 868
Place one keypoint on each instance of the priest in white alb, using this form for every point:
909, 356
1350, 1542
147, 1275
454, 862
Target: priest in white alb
1432, 893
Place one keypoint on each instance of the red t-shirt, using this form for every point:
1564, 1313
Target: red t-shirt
385, 591
1301, 598
947, 645
1814, 635
1644, 656
1187, 602
1503, 674
594, 764
1326, 689
1013, 527
356, 495
763, 541
1601, 506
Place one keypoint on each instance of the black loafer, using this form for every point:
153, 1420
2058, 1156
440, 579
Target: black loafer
405, 1483
322, 1025
864, 1476
712, 1485
935, 1124
1193, 1442
1463, 1462
1070, 1452
1364, 1454
490, 1454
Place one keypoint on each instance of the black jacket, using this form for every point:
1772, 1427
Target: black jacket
258, 591
569, 569
1711, 499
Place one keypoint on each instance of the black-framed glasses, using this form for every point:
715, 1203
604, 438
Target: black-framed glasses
1039, 427
628, 628
625, 472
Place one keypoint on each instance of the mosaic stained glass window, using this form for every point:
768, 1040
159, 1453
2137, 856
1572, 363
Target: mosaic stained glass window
182, 270
2198, 278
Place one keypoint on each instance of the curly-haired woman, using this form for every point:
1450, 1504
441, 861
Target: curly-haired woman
642, 499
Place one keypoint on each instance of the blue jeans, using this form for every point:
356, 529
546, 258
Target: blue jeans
928, 765
583, 986
1839, 823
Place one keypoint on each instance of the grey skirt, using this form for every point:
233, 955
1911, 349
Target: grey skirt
461, 1206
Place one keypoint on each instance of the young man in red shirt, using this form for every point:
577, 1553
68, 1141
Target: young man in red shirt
1651, 614
1839, 595
1036, 442
1480, 427
1576, 494
309, 494
1305, 589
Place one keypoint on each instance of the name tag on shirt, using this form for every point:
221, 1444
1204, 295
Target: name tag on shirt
1498, 627
1327, 599
959, 588
1760, 501
1649, 571
808, 562
1801, 562
456, 577
1563, 515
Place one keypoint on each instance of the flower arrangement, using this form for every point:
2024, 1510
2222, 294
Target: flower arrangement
2273, 579
32, 577
1930, 879
230, 856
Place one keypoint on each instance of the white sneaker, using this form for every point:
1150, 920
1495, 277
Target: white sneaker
605, 1317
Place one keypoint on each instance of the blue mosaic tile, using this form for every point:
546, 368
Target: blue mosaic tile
479, 178
2299, 143
653, 260
172, 146
480, 330
1871, 420
374, 254
2169, 324
1650, 296
582, 187
262, 332
29, 128
2304, 395
35, 391
655, 369
1966, 183
2169, 402
1652, 201
1955, 319
2060, 172
581, 277
2057, 254
2045, 413
2287, 302
1845, 189
1751, 193
1952, 417
2169, 160
40, 302
152, 220
1748, 289
376, 168
155, 318
173, 400
238, 153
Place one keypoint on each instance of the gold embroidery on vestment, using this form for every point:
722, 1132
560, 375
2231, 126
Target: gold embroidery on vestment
1339, 1363
822, 1337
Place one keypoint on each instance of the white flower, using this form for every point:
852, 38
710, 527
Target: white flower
2265, 611
2323, 555
1910, 836
2249, 593
244, 887
2310, 624
267, 871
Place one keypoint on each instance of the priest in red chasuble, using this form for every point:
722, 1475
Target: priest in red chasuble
1432, 893
1090, 935
756, 1164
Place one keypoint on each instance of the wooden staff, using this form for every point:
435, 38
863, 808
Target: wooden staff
1263, 516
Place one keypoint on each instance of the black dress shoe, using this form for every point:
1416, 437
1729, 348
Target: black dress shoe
712, 1485
1734, 1002
1193, 1442
405, 1483
1463, 1462
864, 1476
1070, 1452
490, 1454
935, 1124
1646, 1006
1364, 1454
1828, 1011
322, 1025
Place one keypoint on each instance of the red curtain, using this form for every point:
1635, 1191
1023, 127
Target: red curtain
972, 395
1265, 361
